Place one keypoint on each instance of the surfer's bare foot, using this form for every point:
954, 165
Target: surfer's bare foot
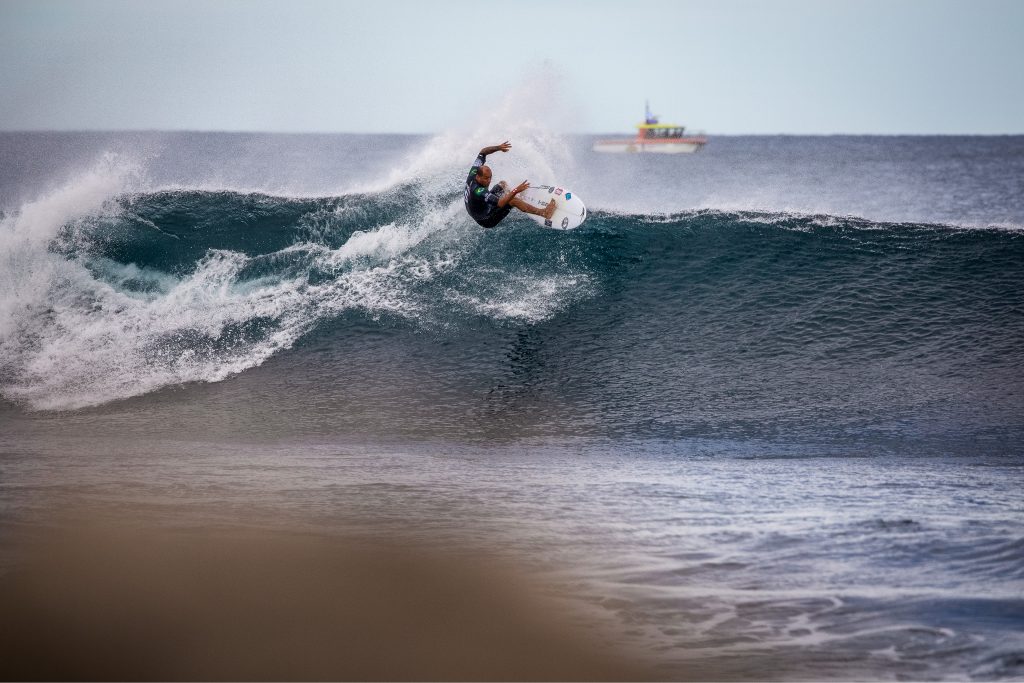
549, 211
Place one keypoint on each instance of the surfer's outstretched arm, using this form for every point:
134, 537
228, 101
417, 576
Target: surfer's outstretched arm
503, 147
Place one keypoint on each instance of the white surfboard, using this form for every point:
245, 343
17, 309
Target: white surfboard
569, 209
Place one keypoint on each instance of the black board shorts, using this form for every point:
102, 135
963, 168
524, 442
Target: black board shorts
494, 217
496, 214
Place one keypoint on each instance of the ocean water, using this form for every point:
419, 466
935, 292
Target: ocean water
763, 412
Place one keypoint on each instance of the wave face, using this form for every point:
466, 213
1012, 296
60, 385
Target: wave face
682, 325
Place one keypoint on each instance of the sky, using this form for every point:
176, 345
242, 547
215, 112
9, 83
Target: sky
723, 66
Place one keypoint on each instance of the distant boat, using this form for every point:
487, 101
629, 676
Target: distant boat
651, 136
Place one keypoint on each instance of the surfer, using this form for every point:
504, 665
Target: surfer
489, 206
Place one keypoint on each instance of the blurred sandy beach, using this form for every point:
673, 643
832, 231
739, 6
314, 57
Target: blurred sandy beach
88, 599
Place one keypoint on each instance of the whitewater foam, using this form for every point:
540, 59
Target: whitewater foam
28, 270
82, 329
78, 329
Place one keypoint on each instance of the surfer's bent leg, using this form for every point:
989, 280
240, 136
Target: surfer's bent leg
530, 208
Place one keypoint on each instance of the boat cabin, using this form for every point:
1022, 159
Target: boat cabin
659, 131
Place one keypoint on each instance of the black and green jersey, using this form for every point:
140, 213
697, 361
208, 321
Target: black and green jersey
481, 203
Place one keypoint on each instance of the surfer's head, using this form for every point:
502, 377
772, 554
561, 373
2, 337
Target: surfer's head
483, 175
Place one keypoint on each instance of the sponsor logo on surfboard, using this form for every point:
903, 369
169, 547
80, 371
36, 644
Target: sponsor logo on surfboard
558, 190
568, 195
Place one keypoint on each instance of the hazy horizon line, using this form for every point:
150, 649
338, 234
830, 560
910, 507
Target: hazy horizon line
224, 131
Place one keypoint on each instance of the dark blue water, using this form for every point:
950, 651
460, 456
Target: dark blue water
767, 401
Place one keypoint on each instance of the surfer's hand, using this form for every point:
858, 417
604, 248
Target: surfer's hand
521, 186
505, 146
